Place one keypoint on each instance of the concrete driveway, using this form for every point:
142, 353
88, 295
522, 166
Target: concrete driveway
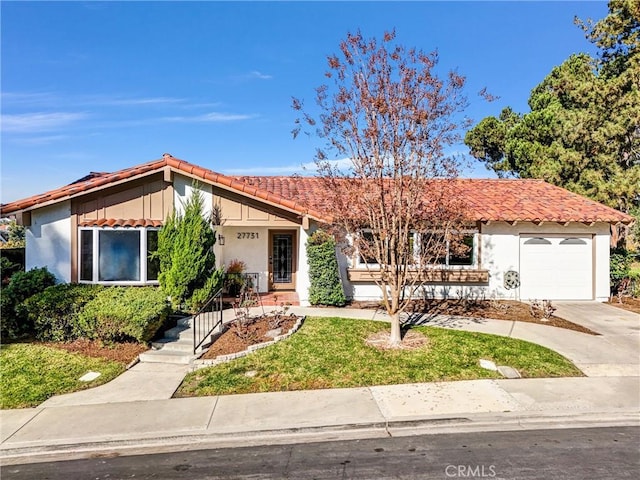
616, 351
600, 317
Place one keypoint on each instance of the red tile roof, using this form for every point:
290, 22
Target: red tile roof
119, 222
507, 200
487, 199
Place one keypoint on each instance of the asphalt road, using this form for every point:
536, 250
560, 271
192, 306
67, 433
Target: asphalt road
593, 453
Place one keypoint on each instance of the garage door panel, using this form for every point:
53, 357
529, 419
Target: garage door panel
556, 267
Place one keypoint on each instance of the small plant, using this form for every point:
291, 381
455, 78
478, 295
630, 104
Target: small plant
468, 299
234, 277
497, 304
241, 327
278, 316
542, 309
624, 288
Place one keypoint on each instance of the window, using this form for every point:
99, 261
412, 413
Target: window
368, 257
573, 241
537, 241
367, 237
433, 249
457, 250
118, 255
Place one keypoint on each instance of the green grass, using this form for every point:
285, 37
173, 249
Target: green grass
331, 353
31, 373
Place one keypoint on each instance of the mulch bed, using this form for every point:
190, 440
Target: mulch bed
498, 310
124, 353
628, 303
235, 339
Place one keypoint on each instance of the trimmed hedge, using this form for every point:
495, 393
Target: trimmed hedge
14, 321
324, 275
54, 312
123, 313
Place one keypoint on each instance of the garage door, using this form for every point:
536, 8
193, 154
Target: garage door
556, 267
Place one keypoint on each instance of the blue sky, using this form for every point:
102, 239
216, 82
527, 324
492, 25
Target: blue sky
100, 86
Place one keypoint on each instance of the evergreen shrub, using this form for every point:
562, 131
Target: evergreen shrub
124, 313
54, 311
187, 263
14, 321
324, 275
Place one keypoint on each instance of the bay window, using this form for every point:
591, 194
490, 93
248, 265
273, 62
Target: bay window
117, 255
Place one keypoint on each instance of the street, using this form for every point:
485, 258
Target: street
590, 453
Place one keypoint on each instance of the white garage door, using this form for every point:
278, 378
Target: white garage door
556, 267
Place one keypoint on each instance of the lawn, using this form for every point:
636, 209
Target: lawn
332, 353
30, 373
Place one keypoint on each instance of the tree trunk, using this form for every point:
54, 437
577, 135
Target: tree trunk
395, 338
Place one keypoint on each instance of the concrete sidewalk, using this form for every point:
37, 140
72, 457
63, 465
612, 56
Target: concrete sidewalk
49, 433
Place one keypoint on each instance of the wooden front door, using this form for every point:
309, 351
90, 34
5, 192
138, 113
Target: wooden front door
282, 259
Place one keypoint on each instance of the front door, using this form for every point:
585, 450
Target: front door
282, 260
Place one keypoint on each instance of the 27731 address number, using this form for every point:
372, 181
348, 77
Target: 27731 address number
247, 235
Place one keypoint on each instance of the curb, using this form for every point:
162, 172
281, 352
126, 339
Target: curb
182, 441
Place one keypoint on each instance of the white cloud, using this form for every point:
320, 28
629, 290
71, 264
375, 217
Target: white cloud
212, 117
40, 140
39, 121
308, 168
260, 75
137, 101
49, 99
26, 99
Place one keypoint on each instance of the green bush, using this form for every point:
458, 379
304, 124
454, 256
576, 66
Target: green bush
54, 312
326, 286
619, 268
185, 253
8, 268
14, 321
124, 313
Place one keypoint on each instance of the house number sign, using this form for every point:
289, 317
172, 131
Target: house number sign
247, 235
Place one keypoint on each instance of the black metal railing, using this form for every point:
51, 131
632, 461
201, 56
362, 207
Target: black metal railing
206, 320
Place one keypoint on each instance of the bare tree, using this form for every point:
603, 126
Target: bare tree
387, 110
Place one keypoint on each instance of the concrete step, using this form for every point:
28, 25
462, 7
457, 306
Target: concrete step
185, 321
184, 344
179, 332
176, 346
166, 356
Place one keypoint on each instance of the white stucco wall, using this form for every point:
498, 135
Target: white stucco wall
254, 252
302, 280
48, 240
183, 187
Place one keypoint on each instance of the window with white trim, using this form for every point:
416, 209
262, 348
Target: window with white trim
117, 255
458, 250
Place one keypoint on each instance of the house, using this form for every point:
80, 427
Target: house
528, 239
